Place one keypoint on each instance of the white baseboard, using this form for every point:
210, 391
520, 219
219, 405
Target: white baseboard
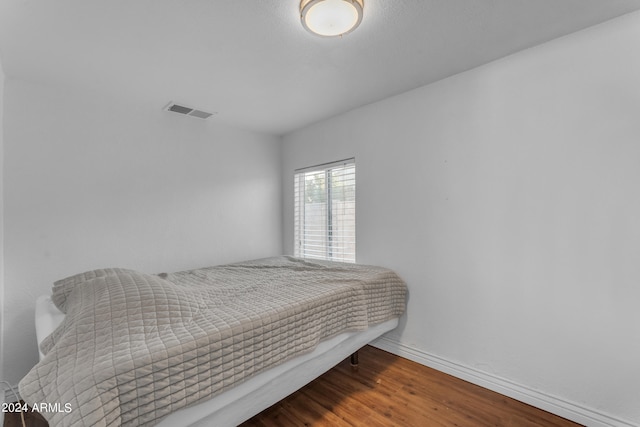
547, 402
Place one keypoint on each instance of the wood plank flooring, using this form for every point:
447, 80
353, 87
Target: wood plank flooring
387, 390
31, 419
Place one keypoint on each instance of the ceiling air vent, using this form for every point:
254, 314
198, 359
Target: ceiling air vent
188, 111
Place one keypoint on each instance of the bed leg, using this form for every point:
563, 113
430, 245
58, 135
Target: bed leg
354, 360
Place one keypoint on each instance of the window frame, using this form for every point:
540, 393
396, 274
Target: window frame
334, 244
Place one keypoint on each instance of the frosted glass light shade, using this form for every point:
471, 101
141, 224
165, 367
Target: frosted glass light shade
330, 18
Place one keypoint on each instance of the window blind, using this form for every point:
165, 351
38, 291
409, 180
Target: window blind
325, 211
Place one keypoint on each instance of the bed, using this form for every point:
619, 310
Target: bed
211, 346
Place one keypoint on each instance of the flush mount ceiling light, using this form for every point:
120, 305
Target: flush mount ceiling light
330, 18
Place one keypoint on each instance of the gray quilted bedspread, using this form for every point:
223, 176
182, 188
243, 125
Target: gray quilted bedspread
134, 347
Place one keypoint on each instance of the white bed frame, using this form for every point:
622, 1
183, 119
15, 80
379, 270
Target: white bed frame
249, 398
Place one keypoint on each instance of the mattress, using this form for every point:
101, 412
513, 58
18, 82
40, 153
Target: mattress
259, 392
134, 348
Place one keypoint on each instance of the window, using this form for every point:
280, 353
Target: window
325, 211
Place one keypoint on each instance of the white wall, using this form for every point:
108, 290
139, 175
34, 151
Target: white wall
507, 197
90, 183
1, 231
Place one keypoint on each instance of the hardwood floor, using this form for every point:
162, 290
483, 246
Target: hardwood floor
31, 419
387, 390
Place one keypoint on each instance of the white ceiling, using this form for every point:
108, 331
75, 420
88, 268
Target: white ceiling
253, 63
